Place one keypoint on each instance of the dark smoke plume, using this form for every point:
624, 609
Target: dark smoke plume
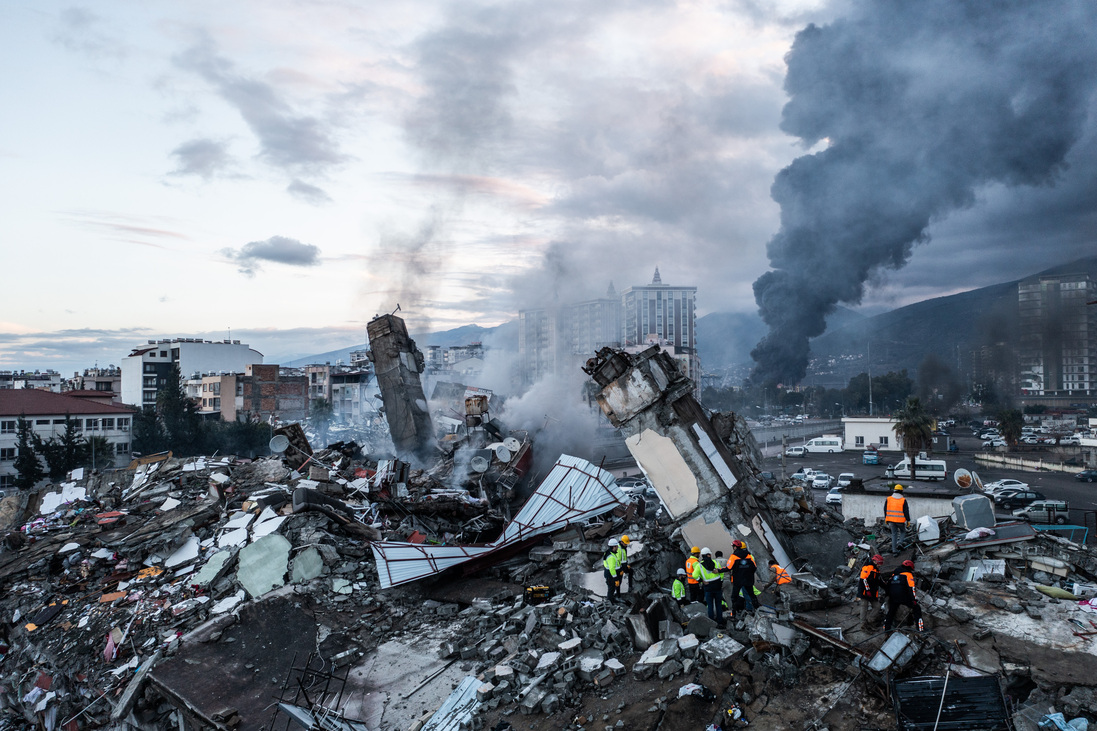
920, 105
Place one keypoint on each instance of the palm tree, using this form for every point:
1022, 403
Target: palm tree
914, 427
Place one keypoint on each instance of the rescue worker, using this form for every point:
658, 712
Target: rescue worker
611, 570
868, 590
896, 515
622, 560
693, 586
736, 603
742, 578
900, 592
710, 577
780, 577
678, 588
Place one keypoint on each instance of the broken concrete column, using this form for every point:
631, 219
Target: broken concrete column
398, 364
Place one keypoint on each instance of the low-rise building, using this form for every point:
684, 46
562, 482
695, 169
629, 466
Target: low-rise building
46, 413
147, 370
862, 431
102, 380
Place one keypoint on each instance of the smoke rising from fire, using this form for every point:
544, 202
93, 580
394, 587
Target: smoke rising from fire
920, 105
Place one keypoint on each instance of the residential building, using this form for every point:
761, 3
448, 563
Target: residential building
662, 313
265, 393
351, 396
1057, 352
216, 394
42, 380
861, 431
46, 413
541, 352
146, 371
103, 380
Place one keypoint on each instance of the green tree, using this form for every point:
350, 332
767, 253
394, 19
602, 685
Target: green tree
321, 414
179, 417
148, 434
915, 428
1010, 422
27, 467
890, 391
62, 453
97, 453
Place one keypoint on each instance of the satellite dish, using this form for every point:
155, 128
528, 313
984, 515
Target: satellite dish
976, 480
502, 454
479, 464
512, 444
279, 444
962, 478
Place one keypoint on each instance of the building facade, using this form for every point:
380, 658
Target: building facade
46, 413
1057, 349
102, 380
147, 370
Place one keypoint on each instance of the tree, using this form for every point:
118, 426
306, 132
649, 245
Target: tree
28, 468
915, 428
321, 414
62, 454
1010, 422
97, 453
179, 417
148, 434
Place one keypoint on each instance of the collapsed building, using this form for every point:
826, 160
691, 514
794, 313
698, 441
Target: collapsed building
324, 588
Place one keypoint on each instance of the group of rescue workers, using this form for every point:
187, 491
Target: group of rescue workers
701, 580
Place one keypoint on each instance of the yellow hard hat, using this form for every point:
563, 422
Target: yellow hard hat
898, 488
625, 540
695, 549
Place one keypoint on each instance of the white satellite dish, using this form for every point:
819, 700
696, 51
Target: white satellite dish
976, 480
962, 478
512, 444
479, 464
279, 444
502, 454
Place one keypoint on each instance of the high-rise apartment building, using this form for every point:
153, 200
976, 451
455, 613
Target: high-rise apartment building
662, 314
1057, 350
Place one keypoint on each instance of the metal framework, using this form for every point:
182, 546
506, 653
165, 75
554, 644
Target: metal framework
573, 491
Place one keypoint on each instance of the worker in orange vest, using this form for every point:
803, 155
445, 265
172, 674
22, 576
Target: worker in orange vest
868, 590
780, 576
900, 591
896, 515
693, 584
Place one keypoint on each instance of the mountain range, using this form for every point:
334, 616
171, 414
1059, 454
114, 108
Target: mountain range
950, 327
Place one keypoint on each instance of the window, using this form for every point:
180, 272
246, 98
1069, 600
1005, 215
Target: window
858, 441
883, 441
58, 421
41, 422
122, 448
7, 480
124, 424
78, 424
92, 424
108, 424
150, 368
215, 402
7, 427
163, 354
7, 454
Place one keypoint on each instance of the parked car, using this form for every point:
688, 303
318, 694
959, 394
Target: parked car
992, 443
1070, 442
834, 496
821, 481
794, 452
1044, 511
870, 456
844, 479
1030, 440
999, 485
1086, 476
1011, 500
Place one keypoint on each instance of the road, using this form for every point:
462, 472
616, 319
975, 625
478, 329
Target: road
1054, 485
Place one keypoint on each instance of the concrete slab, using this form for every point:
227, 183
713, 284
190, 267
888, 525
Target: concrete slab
307, 565
212, 568
262, 565
184, 554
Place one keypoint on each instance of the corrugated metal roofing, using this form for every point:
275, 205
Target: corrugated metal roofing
573, 491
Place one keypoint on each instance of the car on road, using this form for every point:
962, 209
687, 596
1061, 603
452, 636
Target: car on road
992, 443
1045, 511
820, 481
1013, 499
834, 496
1030, 440
999, 485
794, 452
845, 478
1086, 476
1070, 442
870, 456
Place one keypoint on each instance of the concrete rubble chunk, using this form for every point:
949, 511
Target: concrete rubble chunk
720, 651
212, 569
262, 565
307, 565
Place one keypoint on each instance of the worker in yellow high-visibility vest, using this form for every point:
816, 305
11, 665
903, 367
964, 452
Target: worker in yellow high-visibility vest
896, 515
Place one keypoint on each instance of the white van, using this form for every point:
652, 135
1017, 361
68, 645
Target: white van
925, 469
825, 443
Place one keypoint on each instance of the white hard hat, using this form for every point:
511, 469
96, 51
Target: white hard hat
681, 572
706, 551
613, 541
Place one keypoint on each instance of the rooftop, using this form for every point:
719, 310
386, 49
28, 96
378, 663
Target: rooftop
32, 402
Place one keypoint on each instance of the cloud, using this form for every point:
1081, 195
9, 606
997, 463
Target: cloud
277, 249
82, 31
308, 193
203, 157
287, 140
126, 228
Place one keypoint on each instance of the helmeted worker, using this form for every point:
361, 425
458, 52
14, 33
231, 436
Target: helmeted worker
693, 586
780, 577
868, 590
900, 592
896, 515
678, 588
710, 577
742, 578
736, 602
622, 559
611, 570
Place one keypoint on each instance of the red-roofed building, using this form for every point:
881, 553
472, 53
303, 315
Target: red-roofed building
46, 413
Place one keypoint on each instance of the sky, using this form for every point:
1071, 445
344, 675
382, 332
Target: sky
281, 172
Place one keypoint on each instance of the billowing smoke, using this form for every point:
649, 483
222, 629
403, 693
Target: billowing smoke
919, 105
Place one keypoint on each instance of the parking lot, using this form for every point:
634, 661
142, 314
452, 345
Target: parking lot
1054, 485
